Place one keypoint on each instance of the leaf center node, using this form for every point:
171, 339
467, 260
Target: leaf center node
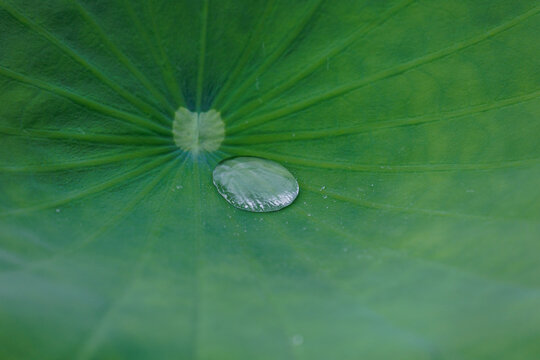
196, 132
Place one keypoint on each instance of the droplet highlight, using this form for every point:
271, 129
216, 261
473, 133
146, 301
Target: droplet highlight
255, 184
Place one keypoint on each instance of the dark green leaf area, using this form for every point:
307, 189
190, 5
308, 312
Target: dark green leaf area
411, 127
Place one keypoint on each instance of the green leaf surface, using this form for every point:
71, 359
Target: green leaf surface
412, 128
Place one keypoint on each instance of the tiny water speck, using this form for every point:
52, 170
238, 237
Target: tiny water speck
255, 184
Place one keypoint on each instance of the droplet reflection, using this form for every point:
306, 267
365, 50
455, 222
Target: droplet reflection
254, 184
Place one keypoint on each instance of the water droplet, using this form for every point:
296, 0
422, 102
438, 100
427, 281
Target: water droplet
255, 184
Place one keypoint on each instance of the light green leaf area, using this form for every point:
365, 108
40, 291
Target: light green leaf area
412, 128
